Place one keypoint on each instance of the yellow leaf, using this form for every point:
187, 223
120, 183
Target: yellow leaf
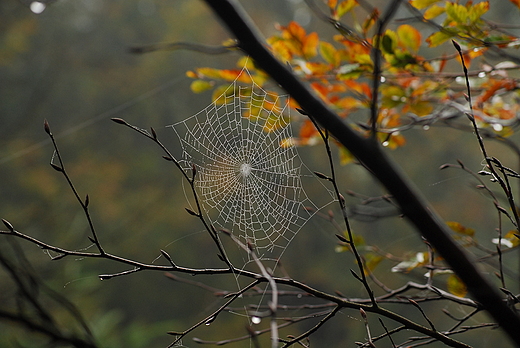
440, 37
199, 86
420, 4
476, 11
310, 45
280, 49
512, 236
420, 108
332, 4
191, 74
345, 156
409, 37
210, 72
460, 229
433, 12
456, 286
329, 53
345, 7
457, 12
371, 261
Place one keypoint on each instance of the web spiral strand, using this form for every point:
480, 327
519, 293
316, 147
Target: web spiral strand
247, 180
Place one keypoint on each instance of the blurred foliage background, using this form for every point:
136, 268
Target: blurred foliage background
71, 65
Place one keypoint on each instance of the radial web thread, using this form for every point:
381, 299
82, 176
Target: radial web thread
249, 177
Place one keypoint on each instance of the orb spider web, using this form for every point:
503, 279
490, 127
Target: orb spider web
248, 173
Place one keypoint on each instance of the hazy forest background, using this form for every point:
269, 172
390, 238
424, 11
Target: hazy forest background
71, 65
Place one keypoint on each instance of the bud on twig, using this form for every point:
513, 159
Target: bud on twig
322, 176
226, 231
457, 46
363, 314
46, 127
191, 212
301, 112
343, 239
119, 120
57, 167
8, 225
154, 135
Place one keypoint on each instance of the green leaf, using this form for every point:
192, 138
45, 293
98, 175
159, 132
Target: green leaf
389, 42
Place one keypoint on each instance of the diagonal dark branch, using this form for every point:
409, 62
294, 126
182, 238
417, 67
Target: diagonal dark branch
369, 152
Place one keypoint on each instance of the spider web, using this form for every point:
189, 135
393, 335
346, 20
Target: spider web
249, 177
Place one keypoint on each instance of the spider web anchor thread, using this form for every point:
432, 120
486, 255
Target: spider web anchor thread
249, 176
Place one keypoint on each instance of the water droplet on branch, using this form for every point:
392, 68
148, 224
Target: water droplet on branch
37, 7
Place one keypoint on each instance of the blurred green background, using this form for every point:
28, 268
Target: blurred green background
71, 65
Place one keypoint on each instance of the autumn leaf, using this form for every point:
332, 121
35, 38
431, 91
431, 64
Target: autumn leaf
440, 37
456, 286
516, 3
388, 42
457, 12
433, 12
310, 45
329, 53
420, 4
332, 4
476, 11
345, 7
199, 86
460, 229
209, 72
345, 156
371, 262
409, 37
296, 31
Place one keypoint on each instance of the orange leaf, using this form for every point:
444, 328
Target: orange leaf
296, 31
497, 85
332, 4
307, 130
516, 2
310, 45
281, 50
